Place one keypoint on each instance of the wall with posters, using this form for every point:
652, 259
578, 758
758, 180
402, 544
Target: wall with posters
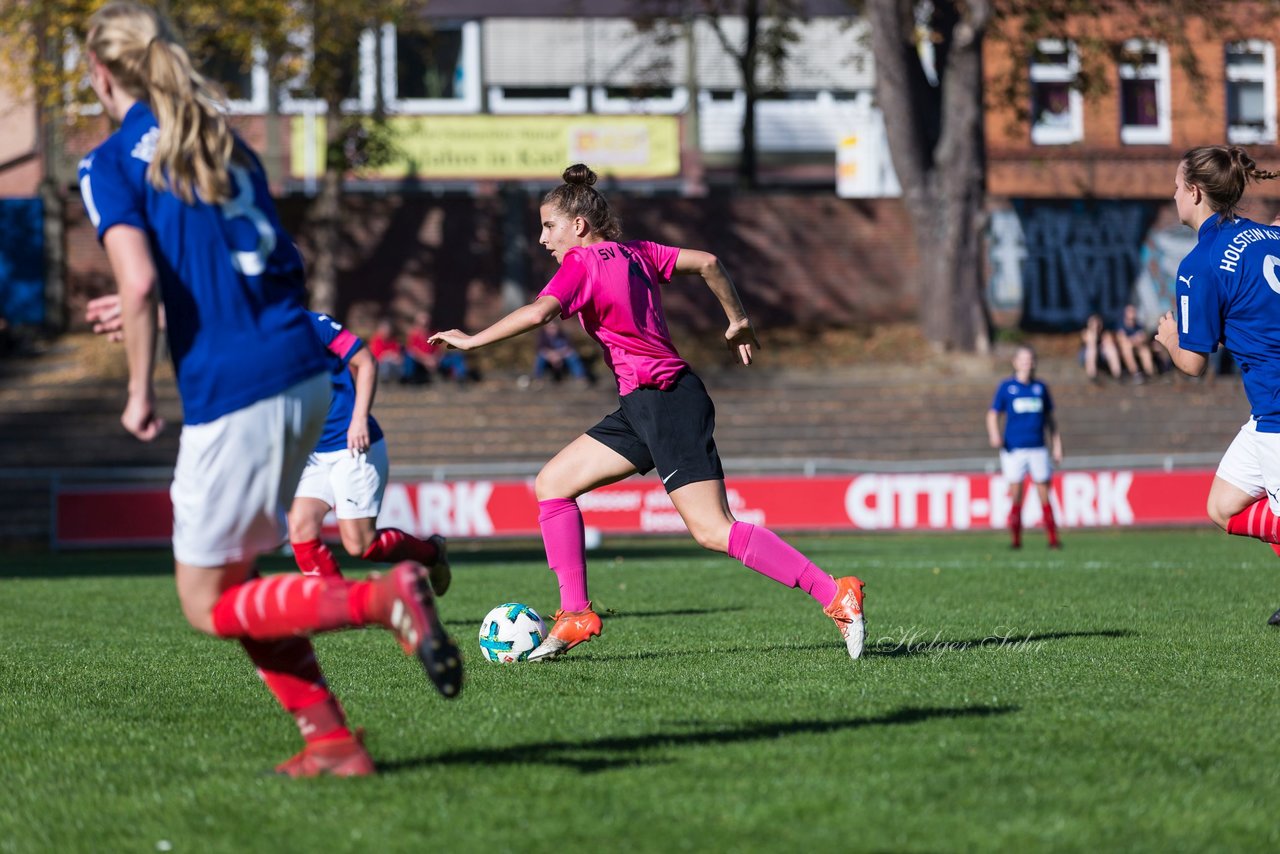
104, 516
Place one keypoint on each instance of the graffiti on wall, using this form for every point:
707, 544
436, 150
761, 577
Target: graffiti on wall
1062, 261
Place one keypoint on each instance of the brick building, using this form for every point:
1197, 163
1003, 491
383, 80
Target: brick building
1081, 187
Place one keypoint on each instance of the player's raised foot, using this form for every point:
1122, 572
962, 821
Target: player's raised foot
1275, 619
337, 757
403, 602
846, 610
571, 628
441, 574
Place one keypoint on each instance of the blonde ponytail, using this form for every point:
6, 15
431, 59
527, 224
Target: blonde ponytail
195, 143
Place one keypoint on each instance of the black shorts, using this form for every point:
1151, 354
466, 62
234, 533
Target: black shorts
670, 430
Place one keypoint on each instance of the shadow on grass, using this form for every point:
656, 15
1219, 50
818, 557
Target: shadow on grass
907, 643
604, 754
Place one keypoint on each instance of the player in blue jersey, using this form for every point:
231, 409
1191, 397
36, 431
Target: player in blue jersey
1028, 409
347, 473
182, 209
1228, 294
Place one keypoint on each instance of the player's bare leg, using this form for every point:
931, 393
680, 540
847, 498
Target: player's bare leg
581, 466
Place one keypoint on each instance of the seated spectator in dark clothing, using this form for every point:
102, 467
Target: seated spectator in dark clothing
385, 348
1134, 342
556, 354
1098, 341
426, 360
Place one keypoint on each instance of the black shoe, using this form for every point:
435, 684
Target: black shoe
1275, 619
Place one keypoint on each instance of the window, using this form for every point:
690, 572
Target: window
244, 83
432, 71
1251, 92
1144, 94
355, 77
639, 99
538, 99
1057, 115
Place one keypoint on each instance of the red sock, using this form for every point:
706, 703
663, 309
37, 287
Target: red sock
392, 545
1256, 521
314, 558
1015, 524
1275, 548
291, 672
1050, 524
283, 606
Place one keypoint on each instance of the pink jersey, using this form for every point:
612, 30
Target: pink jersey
614, 290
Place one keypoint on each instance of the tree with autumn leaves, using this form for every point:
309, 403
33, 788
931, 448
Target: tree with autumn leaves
930, 84
309, 46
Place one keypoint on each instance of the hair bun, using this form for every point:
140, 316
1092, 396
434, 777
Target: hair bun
579, 173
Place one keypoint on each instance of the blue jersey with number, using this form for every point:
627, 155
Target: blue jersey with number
1026, 406
230, 277
342, 344
1229, 293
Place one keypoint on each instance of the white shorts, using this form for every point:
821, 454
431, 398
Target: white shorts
1020, 462
352, 486
235, 476
1252, 464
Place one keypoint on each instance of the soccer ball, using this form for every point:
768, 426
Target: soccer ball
510, 632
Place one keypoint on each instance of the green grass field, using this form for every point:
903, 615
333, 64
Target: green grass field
1123, 694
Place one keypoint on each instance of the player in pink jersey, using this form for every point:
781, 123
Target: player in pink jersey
665, 419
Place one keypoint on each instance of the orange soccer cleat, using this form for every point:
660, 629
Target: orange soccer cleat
846, 610
338, 757
402, 601
571, 629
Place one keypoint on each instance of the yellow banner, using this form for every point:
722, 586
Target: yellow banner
463, 147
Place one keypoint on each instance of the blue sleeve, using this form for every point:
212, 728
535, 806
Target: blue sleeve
1000, 403
1199, 307
1048, 399
108, 197
335, 337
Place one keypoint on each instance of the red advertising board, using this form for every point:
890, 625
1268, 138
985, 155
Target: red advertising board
96, 516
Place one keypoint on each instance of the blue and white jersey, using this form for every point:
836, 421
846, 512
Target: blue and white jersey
1229, 293
230, 277
342, 344
1026, 406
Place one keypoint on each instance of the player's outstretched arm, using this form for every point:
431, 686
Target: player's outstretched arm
364, 376
537, 313
1187, 361
135, 274
740, 336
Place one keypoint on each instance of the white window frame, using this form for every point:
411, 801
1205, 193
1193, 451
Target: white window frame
256, 103
366, 63
469, 102
602, 103
1245, 134
1161, 134
1054, 72
575, 103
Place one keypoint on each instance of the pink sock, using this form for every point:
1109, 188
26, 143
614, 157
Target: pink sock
565, 541
764, 551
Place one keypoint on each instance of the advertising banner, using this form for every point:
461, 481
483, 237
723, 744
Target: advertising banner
94, 516
510, 147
